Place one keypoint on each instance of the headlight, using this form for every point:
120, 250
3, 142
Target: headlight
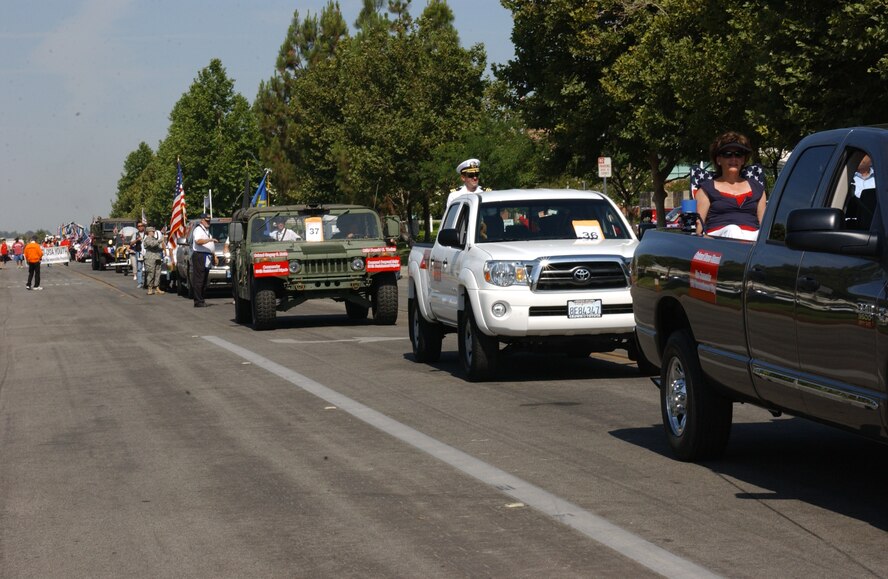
357, 264
295, 266
505, 273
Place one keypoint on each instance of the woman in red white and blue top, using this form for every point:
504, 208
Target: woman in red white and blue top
730, 204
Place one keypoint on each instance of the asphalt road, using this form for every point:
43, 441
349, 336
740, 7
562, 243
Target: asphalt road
142, 437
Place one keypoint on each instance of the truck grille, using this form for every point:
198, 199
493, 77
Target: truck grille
585, 274
326, 266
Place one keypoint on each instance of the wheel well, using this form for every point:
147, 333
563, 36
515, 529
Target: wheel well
387, 276
671, 317
269, 283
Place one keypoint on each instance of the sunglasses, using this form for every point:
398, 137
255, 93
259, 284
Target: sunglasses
471, 175
729, 154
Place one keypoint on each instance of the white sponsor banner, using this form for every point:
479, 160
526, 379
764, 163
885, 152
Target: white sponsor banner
56, 254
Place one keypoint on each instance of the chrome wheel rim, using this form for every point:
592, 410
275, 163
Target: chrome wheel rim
676, 397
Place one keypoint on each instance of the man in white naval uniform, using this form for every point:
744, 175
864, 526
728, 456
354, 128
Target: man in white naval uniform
469, 171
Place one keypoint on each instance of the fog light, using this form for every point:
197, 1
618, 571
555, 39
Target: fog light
499, 309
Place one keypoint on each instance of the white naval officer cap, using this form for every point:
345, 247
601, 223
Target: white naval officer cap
469, 166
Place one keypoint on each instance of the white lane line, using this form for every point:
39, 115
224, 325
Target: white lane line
593, 526
360, 340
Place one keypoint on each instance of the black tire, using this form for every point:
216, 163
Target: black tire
425, 336
263, 308
477, 352
356, 312
94, 263
385, 300
697, 419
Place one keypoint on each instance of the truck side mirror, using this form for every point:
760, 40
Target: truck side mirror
235, 231
822, 229
449, 238
392, 226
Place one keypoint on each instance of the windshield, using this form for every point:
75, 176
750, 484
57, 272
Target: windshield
593, 219
343, 224
110, 227
219, 230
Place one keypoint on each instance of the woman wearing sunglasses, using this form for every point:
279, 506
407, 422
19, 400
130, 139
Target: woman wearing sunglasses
730, 205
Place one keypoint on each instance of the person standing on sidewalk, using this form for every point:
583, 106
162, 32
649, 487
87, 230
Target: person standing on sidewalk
33, 255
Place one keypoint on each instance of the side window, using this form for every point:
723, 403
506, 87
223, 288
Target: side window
800, 187
450, 219
855, 192
462, 223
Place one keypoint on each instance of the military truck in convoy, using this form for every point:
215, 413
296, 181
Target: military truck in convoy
104, 237
282, 256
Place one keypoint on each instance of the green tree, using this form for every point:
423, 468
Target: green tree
653, 83
309, 43
213, 131
357, 125
131, 194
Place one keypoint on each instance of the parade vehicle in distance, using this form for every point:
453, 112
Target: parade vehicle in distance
104, 237
793, 322
219, 275
341, 252
648, 220
543, 269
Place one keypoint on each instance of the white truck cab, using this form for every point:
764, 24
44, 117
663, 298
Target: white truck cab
543, 268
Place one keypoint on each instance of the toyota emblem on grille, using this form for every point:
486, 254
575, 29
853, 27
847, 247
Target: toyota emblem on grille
582, 274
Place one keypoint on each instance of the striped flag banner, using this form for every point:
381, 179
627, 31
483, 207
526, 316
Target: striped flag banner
177, 221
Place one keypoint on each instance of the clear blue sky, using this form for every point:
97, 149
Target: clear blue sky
83, 82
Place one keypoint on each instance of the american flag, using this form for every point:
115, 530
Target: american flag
177, 221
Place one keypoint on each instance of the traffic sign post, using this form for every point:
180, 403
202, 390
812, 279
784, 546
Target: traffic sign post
604, 170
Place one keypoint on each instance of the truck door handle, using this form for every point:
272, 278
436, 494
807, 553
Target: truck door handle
444, 264
757, 273
808, 284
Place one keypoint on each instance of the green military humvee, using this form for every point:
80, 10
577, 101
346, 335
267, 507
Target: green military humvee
284, 255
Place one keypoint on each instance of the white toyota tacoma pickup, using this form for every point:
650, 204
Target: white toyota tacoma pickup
541, 269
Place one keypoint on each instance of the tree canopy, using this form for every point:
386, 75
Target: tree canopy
381, 116
213, 133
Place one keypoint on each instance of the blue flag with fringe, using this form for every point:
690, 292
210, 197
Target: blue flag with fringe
260, 198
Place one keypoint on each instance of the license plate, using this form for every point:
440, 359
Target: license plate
584, 309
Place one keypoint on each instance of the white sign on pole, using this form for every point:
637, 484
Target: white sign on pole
604, 167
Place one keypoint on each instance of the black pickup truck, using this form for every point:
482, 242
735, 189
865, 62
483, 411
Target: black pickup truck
795, 322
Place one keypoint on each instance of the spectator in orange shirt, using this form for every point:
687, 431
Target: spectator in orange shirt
33, 254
